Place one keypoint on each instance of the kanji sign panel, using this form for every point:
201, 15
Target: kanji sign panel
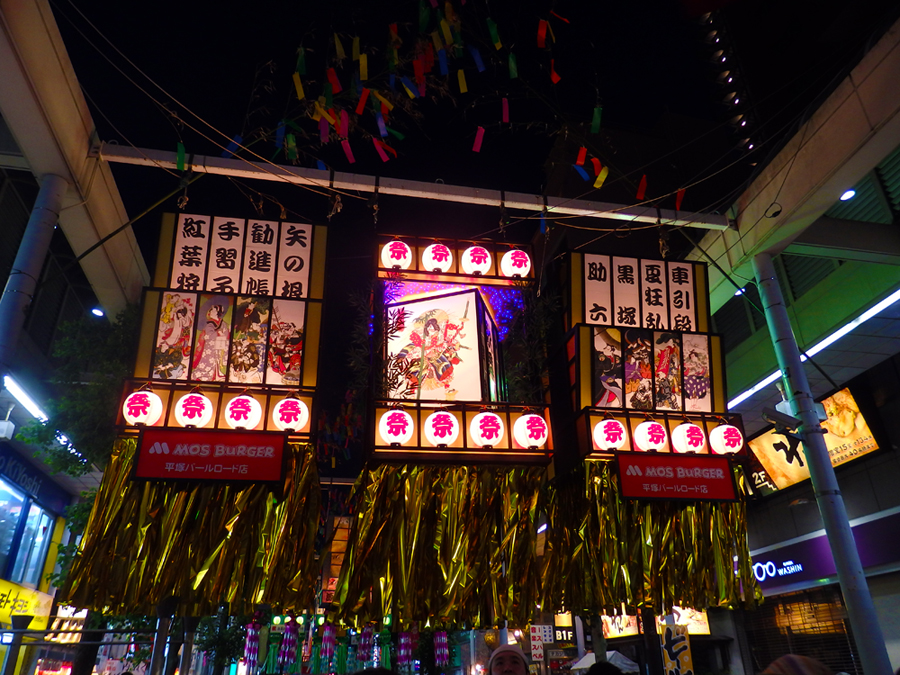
261, 250
192, 234
682, 297
292, 278
654, 310
675, 477
227, 254
597, 290
626, 292
234, 456
676, 650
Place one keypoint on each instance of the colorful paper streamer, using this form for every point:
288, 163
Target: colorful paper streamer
595, 122
679, 197
232, 146
363, 67
333, 79
461, 76
513, 68
479, 137
542, 34
476, 56
495, 36
601, 177
553, 75
298, 86
339, 48
179, 156
582, 154
361, 104
323, 129
442, 61
301, 61
505, 110
642, 188
581, 172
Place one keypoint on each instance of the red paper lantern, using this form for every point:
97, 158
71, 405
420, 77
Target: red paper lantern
437, 258
142, 407
290, 414
515, 263
441, 428
396, 426
193, 410
243, 412
650, 436
726, 439
530, 431
610, 434
396, 254
688, 437
486, 429
476, 260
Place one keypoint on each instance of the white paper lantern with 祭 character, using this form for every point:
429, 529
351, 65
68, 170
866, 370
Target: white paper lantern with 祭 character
486, 428
441, 428
193, 410
650, 436
476, 260
290, 414
515, 263
142, 407
396, 426
530, 431
437, 258
688, 437
243, 412
726, 439
610, 435
396, 254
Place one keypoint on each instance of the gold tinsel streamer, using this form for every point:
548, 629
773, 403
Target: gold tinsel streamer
603, 551
206, 544
447, 545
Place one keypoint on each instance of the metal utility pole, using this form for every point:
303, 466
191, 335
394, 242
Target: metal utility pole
26, 269
852, 579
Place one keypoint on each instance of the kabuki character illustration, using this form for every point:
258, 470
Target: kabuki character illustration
210, 362
173, 342
285, 343
607, 368
433, 352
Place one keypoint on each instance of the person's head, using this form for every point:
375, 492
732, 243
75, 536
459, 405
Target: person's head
507, 660
794, 664
604, 668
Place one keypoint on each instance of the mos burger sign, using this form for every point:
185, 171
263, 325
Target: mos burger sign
201, 454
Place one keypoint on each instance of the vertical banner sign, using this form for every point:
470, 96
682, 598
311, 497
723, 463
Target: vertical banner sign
697, 397
682, 305
191, 248
227, 244
626, 292
258, 276
676, 650
654, 308
293, 263
597, 293
537, 644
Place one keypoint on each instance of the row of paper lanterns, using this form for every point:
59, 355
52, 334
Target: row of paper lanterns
651, 436
475, 260
143, 407
441, 428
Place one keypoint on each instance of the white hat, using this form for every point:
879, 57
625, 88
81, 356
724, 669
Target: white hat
507, 649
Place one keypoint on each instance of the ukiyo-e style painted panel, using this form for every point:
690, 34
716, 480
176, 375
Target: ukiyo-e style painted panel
286, 342
667, 373
213, 336
249, 336
607, 368
172, 352
697, 395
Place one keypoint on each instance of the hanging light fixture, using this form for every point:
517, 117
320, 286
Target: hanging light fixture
396, 254
396, 426
486, 429
437, 258
142, 407
441, 428
193, 410
243, 412
530, 431
476, 260
610, 434
290, 414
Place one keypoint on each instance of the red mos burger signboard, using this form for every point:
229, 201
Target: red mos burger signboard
191, 454
675, 477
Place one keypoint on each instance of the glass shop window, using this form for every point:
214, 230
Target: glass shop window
33, 547
12, 503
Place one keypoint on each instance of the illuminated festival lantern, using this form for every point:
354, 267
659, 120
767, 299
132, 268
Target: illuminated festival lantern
610, 434
515, 263
142, 407
290, 414
476, 260
397, 254
193, 410
437, 258
688, 437
243, 412
396, 426
441, 428
486, 429
726, 439
530, 431
650, 436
